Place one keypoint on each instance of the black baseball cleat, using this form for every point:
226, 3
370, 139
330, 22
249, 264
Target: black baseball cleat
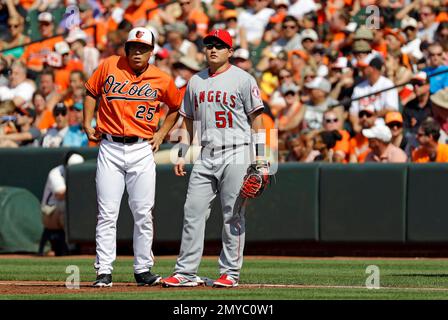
147, 279
103, 280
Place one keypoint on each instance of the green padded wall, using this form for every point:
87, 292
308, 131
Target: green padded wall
427, 215
20, 220
363, 203
28, 168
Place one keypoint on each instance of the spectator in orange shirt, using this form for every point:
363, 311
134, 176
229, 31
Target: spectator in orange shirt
192, 13
359, 144
136, 12
67, 65
430, 149
341, 150
44, 117
36, 53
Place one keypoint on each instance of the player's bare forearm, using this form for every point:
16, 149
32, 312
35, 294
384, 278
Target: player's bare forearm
88, 113
257, 121
187, 124
168, 124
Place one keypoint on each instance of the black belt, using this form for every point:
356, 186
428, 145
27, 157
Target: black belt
123, 139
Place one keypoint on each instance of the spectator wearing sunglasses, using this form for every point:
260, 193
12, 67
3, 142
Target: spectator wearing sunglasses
394, 120
289, 39
436, 65
55, 135
419, 106
341, 149
16, 24
430, 149
359, 144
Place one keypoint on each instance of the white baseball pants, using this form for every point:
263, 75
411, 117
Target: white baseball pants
132, 166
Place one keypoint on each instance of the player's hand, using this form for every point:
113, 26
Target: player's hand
92, 135
156, 141
179, 168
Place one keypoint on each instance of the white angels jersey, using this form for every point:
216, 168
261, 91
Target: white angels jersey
222, 103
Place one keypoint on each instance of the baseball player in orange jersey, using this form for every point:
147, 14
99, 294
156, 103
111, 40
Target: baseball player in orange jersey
129, 91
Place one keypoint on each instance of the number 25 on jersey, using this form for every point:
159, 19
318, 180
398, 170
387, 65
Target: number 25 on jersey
143, 113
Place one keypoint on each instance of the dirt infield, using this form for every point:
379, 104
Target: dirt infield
53, 287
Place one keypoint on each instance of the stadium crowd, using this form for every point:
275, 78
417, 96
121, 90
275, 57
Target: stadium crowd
316, 62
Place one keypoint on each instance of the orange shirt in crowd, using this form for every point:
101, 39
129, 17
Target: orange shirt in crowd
442, 17
62, 75
343, 145
200, 19
116, 85
421, 156
137, 14
36, 53
359, 147
26, 4
101, 34
46, 121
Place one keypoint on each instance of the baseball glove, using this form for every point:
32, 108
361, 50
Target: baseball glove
255, 180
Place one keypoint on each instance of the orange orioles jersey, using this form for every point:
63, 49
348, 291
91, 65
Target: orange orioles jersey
129, 104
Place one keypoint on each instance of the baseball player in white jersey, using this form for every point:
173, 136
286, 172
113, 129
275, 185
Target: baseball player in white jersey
129, 90
225, 102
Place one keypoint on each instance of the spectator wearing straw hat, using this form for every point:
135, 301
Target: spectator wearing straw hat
440, 111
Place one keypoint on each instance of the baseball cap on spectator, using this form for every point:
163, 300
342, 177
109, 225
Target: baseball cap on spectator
178, 27
241, 53
340, 63
370, 108
141, 35
299, 53
408, 22
361, 46
380, 132
396, 33
75, 35
26, 111
59, 108
162, 53
78, 106
289, 87
62, 48
393, 116
376, 63
309, 34
229, 14
363, 34
351, 27
367, 60
320, 84
220, 34
45, 17
419, 78
440, 98
188, 62
281, 2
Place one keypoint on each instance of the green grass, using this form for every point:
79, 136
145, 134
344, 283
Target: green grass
399, 279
